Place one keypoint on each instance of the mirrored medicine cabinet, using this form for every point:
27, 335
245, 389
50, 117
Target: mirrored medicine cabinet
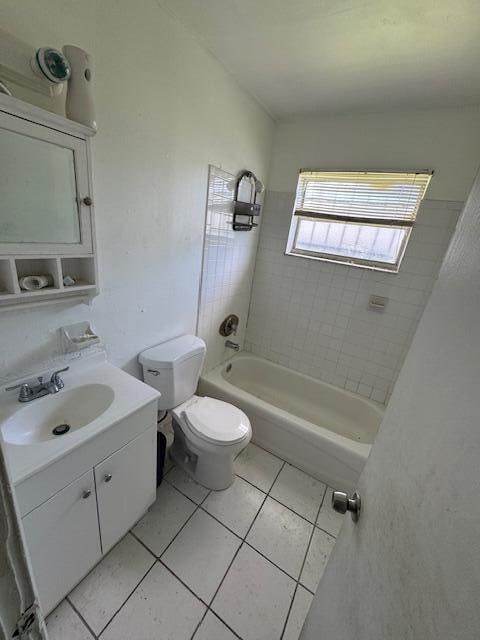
46, 207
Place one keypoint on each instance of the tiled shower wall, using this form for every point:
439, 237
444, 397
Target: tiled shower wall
227, 271
313, 316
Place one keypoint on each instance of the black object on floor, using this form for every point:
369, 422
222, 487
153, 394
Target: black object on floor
161, 449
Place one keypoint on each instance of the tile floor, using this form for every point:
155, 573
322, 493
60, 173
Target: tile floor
241, 563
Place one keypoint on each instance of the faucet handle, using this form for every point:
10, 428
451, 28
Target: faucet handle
55, 373
25, 391
56, 380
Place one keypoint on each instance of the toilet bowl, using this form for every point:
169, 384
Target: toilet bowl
208, 436
208, 433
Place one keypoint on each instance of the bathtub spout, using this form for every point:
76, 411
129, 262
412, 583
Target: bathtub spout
232, 345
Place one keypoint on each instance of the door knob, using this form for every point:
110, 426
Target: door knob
342, 503
108, 477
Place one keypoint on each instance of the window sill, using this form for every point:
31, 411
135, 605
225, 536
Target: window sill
345, 262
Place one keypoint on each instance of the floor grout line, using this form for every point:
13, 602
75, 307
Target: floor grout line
243, 541
82, 619
182, 582
127, 598
302, 567
291, 464
236, 554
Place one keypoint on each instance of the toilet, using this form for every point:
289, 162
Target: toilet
208, 433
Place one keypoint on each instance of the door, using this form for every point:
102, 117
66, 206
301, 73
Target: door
126, 486
63, 540
410, 568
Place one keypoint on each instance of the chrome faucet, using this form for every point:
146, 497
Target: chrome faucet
232, 345
28, 393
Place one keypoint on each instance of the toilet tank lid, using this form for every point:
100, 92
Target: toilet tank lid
170, 353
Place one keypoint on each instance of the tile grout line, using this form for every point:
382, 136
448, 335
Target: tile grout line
127, 598
243, 541
82, 619
302, 567
200, 506
182, 582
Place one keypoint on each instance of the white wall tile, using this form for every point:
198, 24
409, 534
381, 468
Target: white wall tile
313, 316
227, 272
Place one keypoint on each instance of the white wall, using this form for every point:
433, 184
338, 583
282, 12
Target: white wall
166, 109
409, 569
313, 316
442, 139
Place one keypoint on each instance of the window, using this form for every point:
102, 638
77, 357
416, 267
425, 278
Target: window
357, 218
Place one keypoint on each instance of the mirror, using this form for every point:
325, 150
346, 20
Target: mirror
38, 195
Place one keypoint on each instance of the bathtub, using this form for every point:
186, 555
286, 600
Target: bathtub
324, 430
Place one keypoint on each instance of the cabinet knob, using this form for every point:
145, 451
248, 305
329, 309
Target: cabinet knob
108, 477
86, 494
87, 201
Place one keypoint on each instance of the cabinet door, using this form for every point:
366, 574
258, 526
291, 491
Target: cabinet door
63, 540
126, 486
43, 187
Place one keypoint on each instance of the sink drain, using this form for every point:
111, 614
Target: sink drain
61, 429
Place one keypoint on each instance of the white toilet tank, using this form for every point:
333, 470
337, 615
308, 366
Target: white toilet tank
174, 368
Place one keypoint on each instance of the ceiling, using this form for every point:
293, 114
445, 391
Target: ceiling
325, 56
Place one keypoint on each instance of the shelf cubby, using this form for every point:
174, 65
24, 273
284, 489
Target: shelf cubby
39, 267
8, 284
12, 268
81, 269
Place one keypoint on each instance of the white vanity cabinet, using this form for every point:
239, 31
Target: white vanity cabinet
62, 539
125, 488
68, 527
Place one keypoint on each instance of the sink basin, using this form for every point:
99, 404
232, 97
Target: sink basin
58, 415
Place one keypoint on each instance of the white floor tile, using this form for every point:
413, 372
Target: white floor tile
317, 557
109, 584
169, 463
328, 519
164, 519
187, 485
201, 553
282, 536
254, 597
258, 467
213, 629
160, 607
237, 506
63, 623
299, 492
301, 605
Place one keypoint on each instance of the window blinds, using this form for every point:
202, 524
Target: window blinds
368, 197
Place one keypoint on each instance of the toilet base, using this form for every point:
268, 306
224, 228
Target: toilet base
212, 467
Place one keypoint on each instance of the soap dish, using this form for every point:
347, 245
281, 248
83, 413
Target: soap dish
78, 336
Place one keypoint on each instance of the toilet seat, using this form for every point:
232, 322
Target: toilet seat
216, 421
